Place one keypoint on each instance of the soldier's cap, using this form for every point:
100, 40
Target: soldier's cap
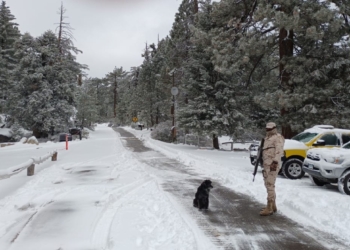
270, 125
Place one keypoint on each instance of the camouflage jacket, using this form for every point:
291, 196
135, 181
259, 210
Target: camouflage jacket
273, 149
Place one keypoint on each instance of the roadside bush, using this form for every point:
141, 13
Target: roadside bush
32, 140
162, 132
16, 132
85, 133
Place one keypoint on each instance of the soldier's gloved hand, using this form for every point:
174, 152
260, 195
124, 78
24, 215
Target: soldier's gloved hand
273, 166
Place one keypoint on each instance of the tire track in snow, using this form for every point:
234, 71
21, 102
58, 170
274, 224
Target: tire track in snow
37, 211
101, 234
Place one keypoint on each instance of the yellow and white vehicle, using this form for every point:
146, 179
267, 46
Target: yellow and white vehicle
295, 149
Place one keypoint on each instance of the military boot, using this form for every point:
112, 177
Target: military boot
274, 207
268, 210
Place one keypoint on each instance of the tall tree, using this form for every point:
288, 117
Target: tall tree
212, 100
113, 79
87, 103
9, 33
313, 62
45, 91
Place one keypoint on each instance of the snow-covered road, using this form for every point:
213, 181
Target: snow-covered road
102, 195
232, 222
96, 196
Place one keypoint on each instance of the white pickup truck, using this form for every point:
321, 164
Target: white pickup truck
329, 165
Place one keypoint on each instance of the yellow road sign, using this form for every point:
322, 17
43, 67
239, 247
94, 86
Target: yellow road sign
134, 119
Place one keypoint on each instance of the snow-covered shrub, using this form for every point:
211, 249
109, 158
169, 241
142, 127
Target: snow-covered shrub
16, 132
162, 132
85, 133
92, 127
33, 140
23, 140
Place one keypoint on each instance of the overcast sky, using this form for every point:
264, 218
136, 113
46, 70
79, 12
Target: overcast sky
109, 32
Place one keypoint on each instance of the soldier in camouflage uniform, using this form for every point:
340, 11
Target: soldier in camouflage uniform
271, 154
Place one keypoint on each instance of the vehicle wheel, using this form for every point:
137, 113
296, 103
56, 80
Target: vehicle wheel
293, 169
344, 183
317, 182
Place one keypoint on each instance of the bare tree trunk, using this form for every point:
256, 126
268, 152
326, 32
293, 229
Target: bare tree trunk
60, 28
157, 116
215, 142
195, 2
115, 96
286, 45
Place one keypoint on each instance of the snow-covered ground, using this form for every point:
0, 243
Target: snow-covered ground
98, 196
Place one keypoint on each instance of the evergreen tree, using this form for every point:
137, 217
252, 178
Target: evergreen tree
180, 33
237, 51
289, 58
113, 78
8, 34
99, 91
45, 90
131, 94
149, 82
87, 103
212, 100
313, 64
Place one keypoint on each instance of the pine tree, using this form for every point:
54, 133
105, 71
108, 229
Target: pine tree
180, 33
237, 51
87, 103
9, 33
313, 63
212, 107
145, 93
290, 58
113, 78
130, 96
45, 90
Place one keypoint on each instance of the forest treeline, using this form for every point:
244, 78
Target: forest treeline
237, 65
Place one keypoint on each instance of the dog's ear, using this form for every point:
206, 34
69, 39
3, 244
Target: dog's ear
209, 183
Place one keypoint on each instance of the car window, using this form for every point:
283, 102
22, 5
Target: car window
345, 138
347, 146
304, 137
330, 139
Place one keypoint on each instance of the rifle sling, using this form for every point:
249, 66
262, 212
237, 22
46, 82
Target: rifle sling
268, 148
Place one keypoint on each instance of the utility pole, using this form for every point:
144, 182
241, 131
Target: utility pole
174, 92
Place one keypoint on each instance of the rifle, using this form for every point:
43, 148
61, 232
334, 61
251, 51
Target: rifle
258, 158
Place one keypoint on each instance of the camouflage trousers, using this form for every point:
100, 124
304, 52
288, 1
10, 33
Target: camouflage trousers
270, 180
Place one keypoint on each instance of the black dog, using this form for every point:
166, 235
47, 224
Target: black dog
201, 199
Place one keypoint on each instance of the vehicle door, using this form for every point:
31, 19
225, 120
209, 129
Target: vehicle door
345, 138
331, 140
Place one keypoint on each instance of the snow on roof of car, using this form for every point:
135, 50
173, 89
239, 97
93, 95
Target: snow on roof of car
326, 128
